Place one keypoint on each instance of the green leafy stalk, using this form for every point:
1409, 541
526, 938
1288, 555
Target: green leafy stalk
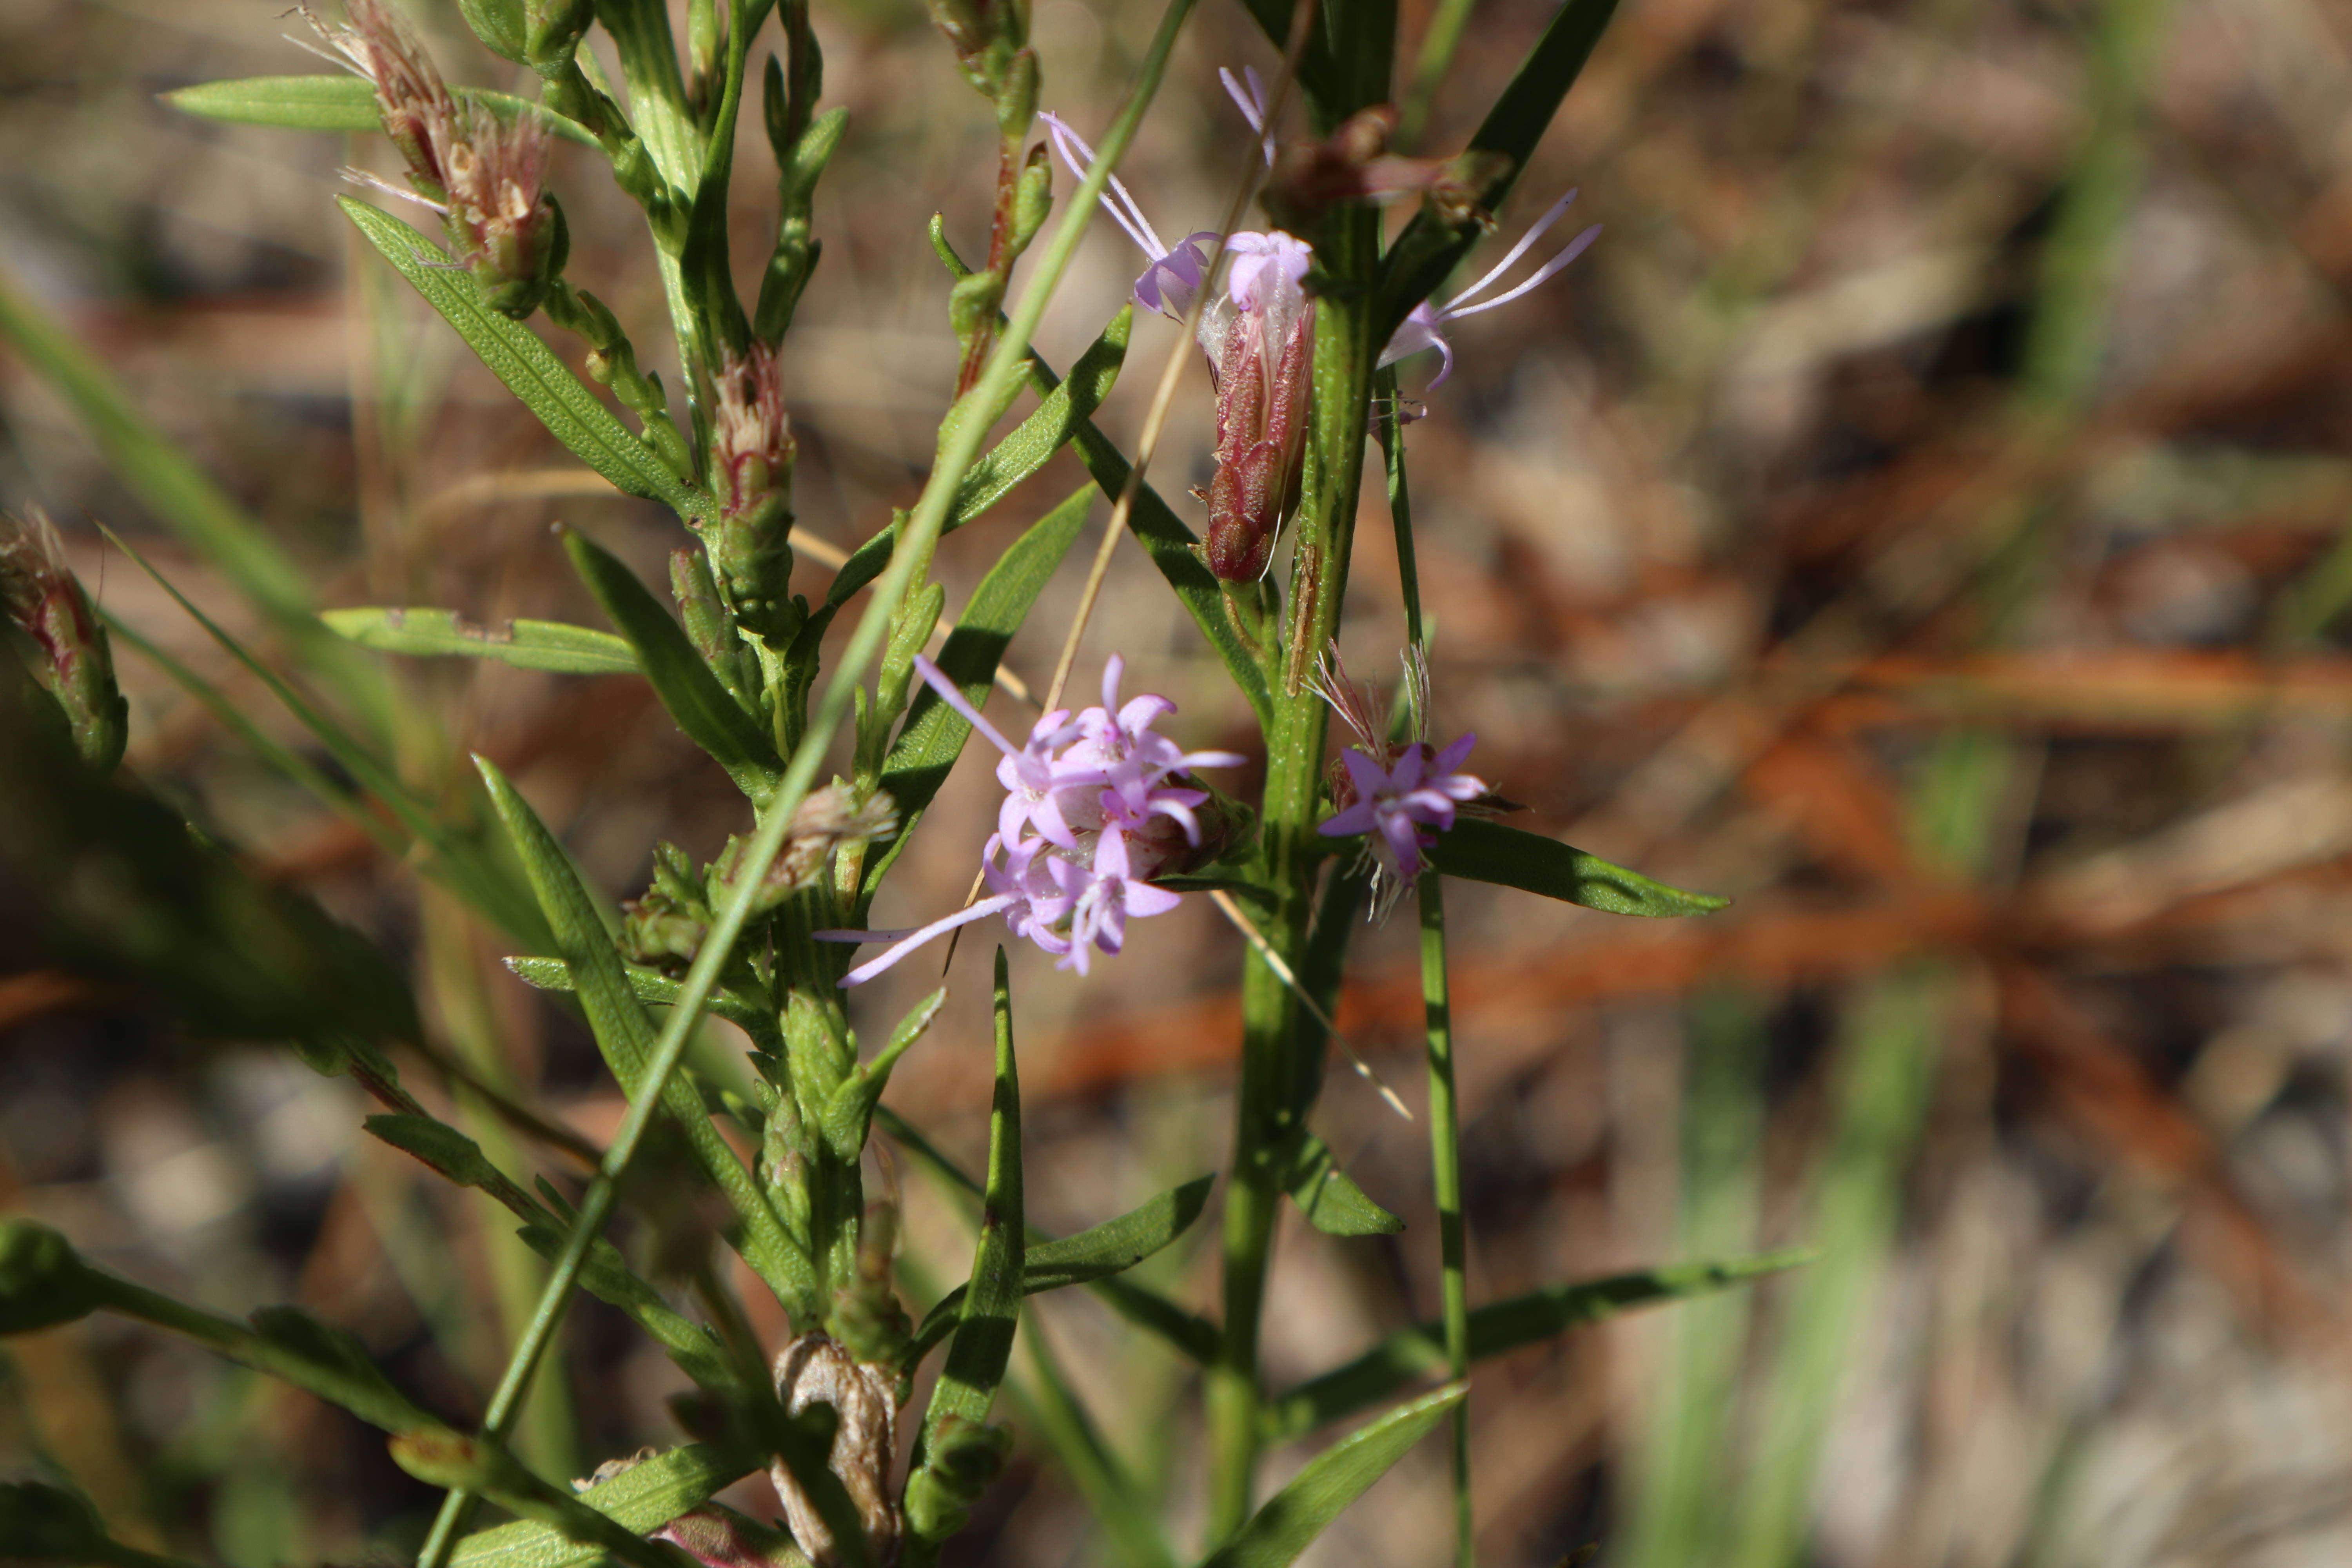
1296, 1515
1445, 1167
1005, 367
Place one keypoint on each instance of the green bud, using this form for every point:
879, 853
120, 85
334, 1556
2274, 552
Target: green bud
43, 1282
1016, 94
964, 1458
973, 302
499, 23
1033, 198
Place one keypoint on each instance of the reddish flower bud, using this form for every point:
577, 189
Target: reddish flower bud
48, 604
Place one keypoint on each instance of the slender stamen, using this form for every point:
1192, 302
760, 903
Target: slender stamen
1123, 210
1535, 232
1535, 279
1251, 101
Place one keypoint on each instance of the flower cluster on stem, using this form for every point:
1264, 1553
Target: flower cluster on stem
1094, 806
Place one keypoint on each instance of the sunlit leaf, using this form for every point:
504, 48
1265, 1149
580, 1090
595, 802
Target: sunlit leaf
1508, 858
527, 644
1292, 1518
333, 103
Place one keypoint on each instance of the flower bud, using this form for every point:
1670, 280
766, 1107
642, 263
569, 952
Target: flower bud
815, 1370
42, 1281
46, 603
1262, 395
752, 454
1033, 198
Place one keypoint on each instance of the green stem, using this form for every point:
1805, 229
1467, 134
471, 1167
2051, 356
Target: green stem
1267, 1108
1444, 1112
922, 531
1446, 1169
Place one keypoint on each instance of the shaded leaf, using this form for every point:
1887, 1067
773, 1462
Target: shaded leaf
1292, 1518
1498, 1327
572, 413
703, 707
527, 644
1508, 858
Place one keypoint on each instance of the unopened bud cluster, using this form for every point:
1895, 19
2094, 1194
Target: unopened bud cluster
752, 453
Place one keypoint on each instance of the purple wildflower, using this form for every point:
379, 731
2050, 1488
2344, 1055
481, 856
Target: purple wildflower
1096, 788
1424, 328
1400, 797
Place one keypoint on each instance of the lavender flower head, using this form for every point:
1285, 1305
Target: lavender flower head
1092, 809
1399, 797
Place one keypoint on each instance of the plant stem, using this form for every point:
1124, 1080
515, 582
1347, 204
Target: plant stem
1444, 1110
1267, 1111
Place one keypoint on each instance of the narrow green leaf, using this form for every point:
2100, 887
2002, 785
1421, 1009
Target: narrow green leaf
1292, 1518
1328, 1197
641, 1499
1430, 248
1498, 1327
934, 733
572, 413
626, 1036
649, 986
850, 1112
441, 1458
704, 709
1508, 858
984, 1341
1096, 1253
526, 644
1059, 414
333, 103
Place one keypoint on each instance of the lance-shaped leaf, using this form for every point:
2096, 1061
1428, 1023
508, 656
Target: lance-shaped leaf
1292, 1518
527, 644
641, 1499
1329, 1197
626, 1036
1429, 245
851, 1111
650, 986
991, 1309
934, 733
605, 1275
572, 413
441, 1458
1059, 414
1508, 858
1096, 1253
335, 104
703, 707
1498, 1327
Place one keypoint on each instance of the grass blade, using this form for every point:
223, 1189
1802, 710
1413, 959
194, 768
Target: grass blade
1501, 1326
1292, 1518
527, 644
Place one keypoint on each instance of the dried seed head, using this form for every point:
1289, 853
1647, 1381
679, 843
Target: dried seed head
815, 1370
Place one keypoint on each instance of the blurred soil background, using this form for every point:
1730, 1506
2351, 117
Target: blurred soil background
1922, 516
